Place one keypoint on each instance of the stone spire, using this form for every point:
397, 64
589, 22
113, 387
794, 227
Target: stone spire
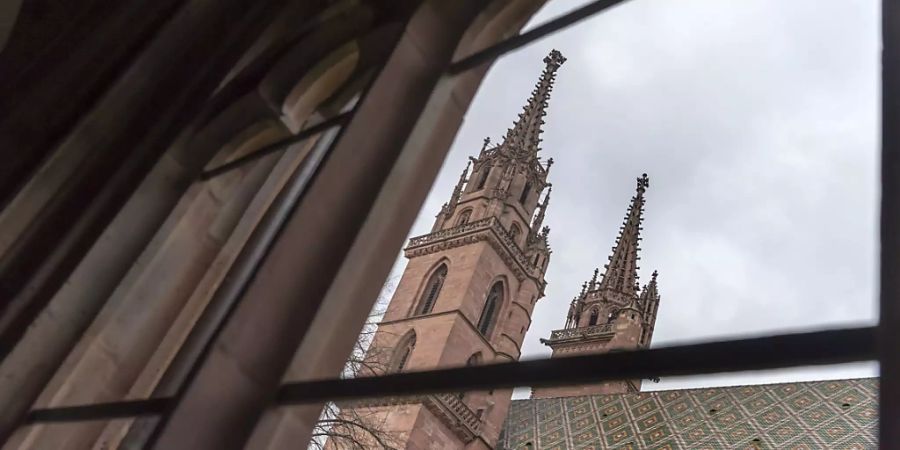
649, 304
454, 197
593, 284
523, 140
621, 272
484, 146
651, 290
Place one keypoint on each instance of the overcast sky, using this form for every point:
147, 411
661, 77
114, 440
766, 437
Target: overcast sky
757, 121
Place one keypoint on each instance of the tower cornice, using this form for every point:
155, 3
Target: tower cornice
490, 230
603, 332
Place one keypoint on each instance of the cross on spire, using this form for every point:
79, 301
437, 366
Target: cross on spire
621, 272
524, 138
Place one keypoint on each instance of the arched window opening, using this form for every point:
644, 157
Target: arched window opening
535, 263
514, 232
403, 352
484, 176
432, 290
594, 316
491, 307
525, 191
464, 217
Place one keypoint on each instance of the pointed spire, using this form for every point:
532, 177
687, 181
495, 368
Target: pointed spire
538, 221
574, 312
651, 290
621, 272
593, 284
457, 191
524, 138
487, 141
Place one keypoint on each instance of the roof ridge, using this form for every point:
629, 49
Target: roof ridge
765, 384
709, 387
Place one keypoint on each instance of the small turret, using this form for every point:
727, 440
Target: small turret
593, 283
650, 304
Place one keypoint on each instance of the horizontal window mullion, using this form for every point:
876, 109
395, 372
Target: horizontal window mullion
770, 352
336, 121
100, 411
761, 353
536, 33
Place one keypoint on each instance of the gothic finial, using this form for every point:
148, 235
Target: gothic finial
650, 292
554, 59
457, 191
594, 278
621, 272
463, 177
523, 140
643, 182
487, 141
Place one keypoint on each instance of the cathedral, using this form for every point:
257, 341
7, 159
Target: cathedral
200, 202
467, 297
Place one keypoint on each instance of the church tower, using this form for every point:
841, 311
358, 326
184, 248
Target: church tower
470, 286
612, 314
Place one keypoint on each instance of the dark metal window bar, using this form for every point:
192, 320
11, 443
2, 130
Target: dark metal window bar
770, 352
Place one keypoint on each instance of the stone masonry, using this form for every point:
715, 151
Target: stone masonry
470, 286
611, 314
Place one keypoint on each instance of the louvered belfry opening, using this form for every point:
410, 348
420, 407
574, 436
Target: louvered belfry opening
112, 96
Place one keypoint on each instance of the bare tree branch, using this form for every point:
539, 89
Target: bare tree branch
359, 428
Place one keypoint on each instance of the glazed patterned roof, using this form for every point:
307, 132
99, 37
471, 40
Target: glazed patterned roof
838, 414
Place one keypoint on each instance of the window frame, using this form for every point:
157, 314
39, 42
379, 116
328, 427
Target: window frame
431, 290
768, 352
488, 318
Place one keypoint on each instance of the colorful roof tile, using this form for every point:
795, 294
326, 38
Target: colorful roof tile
833, 414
